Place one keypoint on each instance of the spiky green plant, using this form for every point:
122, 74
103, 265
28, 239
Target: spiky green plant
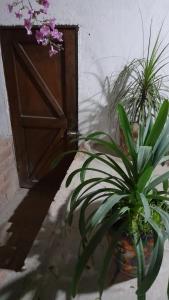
131, 200
147, 83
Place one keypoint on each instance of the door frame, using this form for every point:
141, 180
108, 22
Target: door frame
9, 27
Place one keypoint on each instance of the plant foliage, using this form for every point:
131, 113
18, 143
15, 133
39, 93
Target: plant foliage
145, 89
130, 199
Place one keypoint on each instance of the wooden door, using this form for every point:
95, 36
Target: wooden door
42, 94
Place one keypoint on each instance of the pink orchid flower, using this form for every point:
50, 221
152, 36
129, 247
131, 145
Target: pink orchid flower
28, 25
18, 15
52, 51
47, 34
45, 30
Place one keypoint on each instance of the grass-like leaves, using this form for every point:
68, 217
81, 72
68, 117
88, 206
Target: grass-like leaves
125, 192
147, 89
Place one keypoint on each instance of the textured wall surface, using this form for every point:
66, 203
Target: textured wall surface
110, 34
8, 173
5, 128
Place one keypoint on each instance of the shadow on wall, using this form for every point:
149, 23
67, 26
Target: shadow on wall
103, 117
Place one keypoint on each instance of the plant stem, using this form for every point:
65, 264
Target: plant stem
140, 260
141, 297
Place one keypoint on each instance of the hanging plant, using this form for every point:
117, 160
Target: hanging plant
35, 13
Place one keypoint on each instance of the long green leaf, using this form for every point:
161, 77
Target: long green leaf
146, 206
88, 201
83, 198
85, 165
144, 178
129, 180
144, 154
108, 161
157, 181
162, 150
95, 156
125, 126
92, 194
102, 211
165, 217
162, 136
91, 183
75, 201
120, 182
156, 260
79, 188
90, 248
147, 128
108, 256
140, 264
158, 125
165, 185
71, 176
98, 133
114, 148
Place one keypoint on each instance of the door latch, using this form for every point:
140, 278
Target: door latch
72, 133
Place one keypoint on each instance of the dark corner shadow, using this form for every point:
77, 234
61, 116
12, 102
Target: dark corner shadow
28, 217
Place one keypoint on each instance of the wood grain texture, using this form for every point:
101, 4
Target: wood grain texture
42, 93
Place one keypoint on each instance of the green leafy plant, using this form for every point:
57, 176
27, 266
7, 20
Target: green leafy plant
147, 87
129, 200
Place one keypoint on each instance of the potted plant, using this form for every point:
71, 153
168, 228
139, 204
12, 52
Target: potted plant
130, 202
141, 85
147, 89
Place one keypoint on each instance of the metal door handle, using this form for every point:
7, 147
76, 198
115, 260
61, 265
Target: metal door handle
72, 133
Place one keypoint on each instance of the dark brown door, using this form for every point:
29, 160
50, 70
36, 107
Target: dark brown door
42, 94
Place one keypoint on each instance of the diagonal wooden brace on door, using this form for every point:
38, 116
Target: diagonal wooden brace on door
38, 79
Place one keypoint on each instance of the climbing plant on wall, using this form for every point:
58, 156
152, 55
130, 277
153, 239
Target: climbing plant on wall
35, 12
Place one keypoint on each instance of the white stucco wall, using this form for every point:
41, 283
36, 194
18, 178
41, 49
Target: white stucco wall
109, 35
5, 128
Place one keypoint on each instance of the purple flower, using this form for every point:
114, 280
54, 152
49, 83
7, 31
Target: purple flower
39, 36
52, 51
45, 30
28, 26
45, 3
52, 23
18, 15
47, 34
31, 12
55, 34
10, 7
45, 42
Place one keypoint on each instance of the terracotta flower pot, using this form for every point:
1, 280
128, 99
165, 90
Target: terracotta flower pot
124, 254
